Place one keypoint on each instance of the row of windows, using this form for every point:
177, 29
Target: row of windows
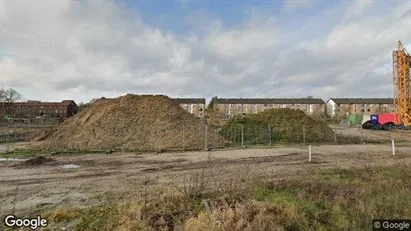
364, 105
269, 105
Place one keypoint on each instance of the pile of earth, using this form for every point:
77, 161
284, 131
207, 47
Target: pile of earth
131, 122
282, 124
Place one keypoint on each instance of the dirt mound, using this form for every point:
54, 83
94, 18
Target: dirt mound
285, 124
36, 161
289, 123
130, 122
245, 128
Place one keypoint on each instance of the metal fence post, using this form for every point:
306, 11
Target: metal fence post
205, 138
255, 132
183, 139
54, 143
242, 135
361, 140
304, 134
224, 134
335, 136
7, 139
269, 133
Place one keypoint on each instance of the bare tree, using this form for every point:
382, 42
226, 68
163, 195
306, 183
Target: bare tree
318, 111
8, 97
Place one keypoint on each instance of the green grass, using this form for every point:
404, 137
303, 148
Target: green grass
19, 153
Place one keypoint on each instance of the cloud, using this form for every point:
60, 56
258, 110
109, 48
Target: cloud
357, 8
291, 5
86, 49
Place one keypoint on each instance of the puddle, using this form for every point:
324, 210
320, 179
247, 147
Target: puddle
69, 166
12, 159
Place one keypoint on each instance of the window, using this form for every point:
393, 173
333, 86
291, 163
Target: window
200, 109
265, 105
368, 110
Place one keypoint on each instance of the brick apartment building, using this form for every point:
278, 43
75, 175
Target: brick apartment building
229, 107
359, 106
195, 106
63, 109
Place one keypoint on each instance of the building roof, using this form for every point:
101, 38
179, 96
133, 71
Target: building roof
189, 100
268, 101
363, 100
33, 103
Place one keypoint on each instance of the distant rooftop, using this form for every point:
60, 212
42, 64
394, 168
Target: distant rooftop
268, 101
189, 100
363, 100
36, 102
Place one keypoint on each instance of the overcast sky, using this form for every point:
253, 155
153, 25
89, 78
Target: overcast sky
54, 50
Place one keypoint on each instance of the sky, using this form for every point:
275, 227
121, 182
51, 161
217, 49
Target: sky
55, 50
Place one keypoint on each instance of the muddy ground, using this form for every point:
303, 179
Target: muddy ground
25, 187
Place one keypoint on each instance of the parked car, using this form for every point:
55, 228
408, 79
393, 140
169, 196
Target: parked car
372, 124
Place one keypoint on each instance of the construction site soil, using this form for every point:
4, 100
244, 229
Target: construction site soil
131, 122
24, 189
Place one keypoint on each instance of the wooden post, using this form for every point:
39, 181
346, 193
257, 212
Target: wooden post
393, 147
309, 153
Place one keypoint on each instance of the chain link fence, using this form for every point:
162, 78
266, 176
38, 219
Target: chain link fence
190, 136
21, 132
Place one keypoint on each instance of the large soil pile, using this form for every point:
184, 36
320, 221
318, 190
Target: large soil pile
131, 122
286, 125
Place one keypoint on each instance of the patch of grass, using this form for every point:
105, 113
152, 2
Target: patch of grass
281, 197
20, 153
106, 217
332, 199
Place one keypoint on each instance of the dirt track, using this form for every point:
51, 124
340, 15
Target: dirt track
102, 173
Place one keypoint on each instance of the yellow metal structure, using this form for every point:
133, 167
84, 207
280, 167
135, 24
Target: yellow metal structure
402, 85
